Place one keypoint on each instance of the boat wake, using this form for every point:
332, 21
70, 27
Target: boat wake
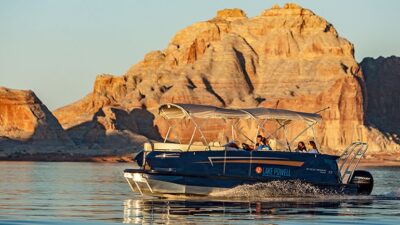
273, 189
392, 194
293, 191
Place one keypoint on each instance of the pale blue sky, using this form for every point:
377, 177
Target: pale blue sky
56, 48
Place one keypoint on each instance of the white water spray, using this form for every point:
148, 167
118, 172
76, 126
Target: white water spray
272, 189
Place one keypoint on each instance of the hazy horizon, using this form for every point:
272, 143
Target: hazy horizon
56, 48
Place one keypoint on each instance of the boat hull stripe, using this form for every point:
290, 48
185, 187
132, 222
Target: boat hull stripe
258, 161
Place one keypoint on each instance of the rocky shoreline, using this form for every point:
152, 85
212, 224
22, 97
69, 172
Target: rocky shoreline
69, 158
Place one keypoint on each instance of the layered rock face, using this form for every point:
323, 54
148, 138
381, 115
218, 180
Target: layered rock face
27, 124
382, 79
28, 130
115, 129
284, 58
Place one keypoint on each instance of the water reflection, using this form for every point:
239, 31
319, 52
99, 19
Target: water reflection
93, 192
204, 211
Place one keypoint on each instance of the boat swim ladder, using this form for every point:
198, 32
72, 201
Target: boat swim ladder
350, 158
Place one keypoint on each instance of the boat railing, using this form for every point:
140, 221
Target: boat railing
350, 158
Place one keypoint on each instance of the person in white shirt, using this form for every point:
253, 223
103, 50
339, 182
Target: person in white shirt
301, 147
313, 148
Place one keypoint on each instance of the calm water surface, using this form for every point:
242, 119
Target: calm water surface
86, 193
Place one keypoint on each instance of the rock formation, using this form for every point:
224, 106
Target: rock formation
115, 130
27, 126
382, 79
284, 58
30, 131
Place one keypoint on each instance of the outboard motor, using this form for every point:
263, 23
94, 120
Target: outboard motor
364, 181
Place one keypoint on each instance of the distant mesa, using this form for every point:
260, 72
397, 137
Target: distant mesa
26, 123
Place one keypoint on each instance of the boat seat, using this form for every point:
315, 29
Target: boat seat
184, 147
215, 144
217, 148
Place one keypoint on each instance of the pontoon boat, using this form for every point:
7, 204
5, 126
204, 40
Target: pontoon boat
193, 168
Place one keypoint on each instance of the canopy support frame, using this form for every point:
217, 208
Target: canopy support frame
197, 127
171, 128
311, 125
191, 111
285, 134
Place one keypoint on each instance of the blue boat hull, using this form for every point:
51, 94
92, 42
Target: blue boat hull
204, 172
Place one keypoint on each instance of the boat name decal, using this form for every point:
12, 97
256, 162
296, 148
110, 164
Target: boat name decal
276, 172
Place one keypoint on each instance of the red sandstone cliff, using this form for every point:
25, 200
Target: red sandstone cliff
27, 126
284, 58
29, 131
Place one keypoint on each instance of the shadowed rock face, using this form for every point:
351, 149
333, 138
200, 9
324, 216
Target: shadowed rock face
382, 79
114, 128
284, 58
26, 121
29, 129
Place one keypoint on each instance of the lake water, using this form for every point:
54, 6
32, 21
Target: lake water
86, 193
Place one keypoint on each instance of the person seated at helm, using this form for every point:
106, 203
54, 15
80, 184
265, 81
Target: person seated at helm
258, 146
313, 148
259, 143
301, 147
265, 145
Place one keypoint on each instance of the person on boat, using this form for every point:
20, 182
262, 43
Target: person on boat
301, 147
265, 145
313, 147
259, 143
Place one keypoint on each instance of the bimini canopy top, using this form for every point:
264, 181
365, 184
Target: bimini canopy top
180, 111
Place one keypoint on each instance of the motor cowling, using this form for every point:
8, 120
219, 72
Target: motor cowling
364, 181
